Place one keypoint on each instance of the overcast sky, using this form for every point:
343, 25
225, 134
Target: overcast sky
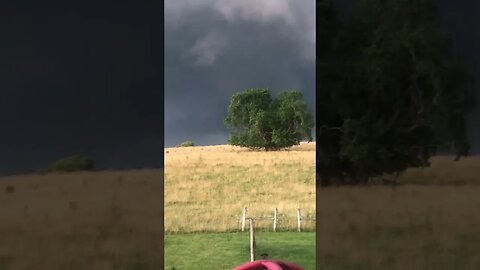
80, 78
461, 19
86, 78
214, 48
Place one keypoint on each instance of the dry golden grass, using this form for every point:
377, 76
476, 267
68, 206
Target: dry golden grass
112, 220
206, 187
430, 221
100, 220
410, 227
444, 171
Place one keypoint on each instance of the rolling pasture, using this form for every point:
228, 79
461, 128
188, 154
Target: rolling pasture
112, 219
430, 221
86, 220
206, 188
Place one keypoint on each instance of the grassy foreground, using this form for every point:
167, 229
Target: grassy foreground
430, 221
97, 221
207, 187
226, 250
409, 227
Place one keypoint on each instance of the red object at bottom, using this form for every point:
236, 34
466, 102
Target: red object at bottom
268, 265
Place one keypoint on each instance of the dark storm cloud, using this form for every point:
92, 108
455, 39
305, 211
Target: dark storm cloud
459, 21
80, 80
215, 48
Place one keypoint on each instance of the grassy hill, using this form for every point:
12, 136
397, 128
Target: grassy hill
429, 221
112, 219
84, 220
207, 187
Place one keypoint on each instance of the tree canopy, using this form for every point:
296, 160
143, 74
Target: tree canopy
391, 93
71, 164
258, 121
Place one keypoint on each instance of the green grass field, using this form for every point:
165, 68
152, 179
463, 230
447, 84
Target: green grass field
206, 189
226, 250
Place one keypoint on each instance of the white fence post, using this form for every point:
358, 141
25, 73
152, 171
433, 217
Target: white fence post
275, 220
243, 218
299, 220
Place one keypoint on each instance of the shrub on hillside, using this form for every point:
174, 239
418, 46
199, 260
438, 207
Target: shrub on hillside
71, 164
186, 144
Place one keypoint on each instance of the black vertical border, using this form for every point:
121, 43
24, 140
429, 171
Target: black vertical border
161, 58
317, 132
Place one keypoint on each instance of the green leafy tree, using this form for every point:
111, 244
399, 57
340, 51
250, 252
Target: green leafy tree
392, 96
72, 163
258, 121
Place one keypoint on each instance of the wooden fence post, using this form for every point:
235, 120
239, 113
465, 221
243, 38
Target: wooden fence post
275, 220
299, 220
252, 240
243, 218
